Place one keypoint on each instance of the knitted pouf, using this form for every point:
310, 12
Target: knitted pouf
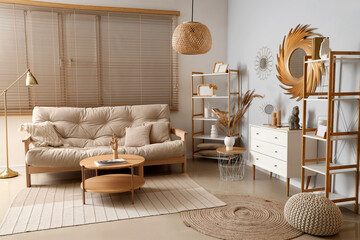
313, 214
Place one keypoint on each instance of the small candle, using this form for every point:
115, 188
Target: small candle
278, 116
274, 119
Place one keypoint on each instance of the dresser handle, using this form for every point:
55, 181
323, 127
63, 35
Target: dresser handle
276, 151
257, 145
257, 133
256, 158
275, 165
275, 137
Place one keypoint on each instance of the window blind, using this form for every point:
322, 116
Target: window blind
85, 58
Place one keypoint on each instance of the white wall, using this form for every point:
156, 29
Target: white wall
257, 23
213, 13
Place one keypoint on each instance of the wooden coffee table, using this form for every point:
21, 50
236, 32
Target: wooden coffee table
113, 183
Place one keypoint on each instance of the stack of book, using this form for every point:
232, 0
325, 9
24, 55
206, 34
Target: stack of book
109, 162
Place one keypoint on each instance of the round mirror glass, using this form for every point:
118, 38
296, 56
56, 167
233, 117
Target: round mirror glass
296, 63
263, 63
268, 109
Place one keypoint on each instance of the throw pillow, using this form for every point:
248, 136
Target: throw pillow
160, 131
43, 134
209, 146
137, 136
208, 153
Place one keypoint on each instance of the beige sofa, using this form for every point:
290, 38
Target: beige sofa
86, 132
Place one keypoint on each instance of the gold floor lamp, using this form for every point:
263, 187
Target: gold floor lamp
30, 81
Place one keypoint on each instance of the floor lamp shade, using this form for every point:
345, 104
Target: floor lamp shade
191, 38
30, 80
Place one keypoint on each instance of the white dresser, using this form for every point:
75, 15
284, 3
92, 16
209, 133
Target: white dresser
278, 150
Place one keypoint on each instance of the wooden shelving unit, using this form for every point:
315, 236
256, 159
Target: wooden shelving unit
325, 166
201, 135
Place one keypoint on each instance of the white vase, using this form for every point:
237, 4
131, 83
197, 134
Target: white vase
213, 132
206, 112
229, 143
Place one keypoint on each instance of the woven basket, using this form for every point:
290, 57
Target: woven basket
313, 214
191, 38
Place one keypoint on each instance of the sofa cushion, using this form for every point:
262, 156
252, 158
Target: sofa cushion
137, 136
88, 127
70, 157
160, 131
43, 134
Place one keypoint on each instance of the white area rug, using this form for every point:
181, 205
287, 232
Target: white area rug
47, 207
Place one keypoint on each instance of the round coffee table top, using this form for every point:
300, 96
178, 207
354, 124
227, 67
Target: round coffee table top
131, 161
236, 150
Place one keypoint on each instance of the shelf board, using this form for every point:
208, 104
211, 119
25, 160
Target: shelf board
321, 168
212, 74
205, 119
333, 196
225, 97
197, 155
334, 138
336, 59
207, 136
334, 99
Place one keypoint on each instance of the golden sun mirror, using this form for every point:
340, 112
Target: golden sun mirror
295, 46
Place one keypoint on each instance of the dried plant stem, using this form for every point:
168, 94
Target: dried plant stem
230, 124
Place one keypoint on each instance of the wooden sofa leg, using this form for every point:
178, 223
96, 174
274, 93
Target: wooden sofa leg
28, 177
184, 166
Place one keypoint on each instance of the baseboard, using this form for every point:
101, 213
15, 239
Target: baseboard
14, 167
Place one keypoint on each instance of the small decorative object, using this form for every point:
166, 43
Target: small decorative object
267, 109
325, 48
313, 214
316, 47
321, 127
191, 38
295, 46
207, 111
263, 63
114, 146
217, 66
213, 132
294, 118
273, 119
228, 125
206, 90
278, 118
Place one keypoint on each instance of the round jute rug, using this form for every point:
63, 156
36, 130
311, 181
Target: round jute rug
244, 217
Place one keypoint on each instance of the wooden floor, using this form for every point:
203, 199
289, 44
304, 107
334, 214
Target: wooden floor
204, 172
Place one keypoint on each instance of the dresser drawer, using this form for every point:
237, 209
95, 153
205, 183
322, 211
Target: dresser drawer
269, 135
272, 150
268, 163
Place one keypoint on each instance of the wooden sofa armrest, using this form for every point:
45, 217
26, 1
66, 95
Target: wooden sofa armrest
180, 133
27, 142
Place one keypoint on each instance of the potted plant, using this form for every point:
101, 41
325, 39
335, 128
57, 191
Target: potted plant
228, 125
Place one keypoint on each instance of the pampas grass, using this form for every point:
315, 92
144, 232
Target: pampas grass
228, 126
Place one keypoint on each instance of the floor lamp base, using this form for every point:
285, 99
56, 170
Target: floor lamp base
8, 173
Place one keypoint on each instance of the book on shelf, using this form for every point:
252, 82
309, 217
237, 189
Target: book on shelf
109, 162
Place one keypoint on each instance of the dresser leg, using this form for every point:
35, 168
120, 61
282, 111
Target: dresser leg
270, 174
287, 186
254, 172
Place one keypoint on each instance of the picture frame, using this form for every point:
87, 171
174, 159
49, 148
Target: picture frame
321, 131
205, 90
217, 66
223, 68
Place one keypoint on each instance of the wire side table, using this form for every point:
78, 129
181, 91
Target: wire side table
231, 164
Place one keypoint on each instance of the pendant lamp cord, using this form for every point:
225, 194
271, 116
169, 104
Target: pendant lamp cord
192, 11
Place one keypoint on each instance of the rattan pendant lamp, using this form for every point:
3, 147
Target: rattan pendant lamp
191, 38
